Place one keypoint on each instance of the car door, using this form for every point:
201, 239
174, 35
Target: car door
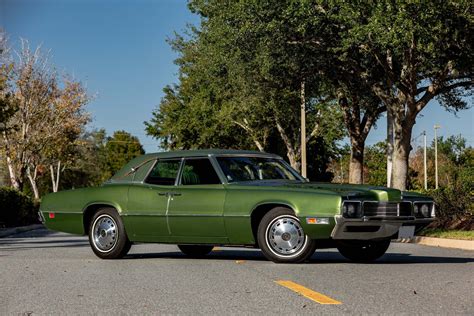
148, 202
196, 208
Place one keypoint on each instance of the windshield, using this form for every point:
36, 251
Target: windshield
238, 169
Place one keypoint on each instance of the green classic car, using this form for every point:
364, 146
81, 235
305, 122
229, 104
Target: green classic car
203, 198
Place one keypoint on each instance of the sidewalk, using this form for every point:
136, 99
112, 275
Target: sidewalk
5, 232
440, 242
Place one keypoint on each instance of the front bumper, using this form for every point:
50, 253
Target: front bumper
367, 228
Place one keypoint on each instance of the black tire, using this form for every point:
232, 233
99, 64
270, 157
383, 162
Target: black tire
293, 247
195, 251
107, 235
363, 250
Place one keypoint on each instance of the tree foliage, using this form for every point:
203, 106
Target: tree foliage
422, 51
49, 117
120, 149
240, 85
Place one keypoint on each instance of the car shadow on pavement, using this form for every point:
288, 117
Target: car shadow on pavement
320, 257
390, 258
228, 254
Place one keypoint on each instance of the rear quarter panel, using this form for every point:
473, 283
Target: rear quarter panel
68, 206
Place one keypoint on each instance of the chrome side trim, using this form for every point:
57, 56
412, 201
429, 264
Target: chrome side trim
64, 212
182, 215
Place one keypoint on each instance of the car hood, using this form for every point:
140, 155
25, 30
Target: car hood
350, 191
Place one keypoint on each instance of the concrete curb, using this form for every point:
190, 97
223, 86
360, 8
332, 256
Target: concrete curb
5, 232
440, 242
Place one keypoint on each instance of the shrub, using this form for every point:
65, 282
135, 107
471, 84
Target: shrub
16, 208
454, 207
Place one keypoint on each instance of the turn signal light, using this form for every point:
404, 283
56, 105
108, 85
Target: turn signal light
316, 220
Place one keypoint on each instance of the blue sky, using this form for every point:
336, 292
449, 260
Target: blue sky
119, 50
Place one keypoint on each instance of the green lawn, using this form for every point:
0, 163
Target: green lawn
451, 234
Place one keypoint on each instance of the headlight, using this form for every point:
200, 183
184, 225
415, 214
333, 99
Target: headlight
416, 209
423, 210
351, 209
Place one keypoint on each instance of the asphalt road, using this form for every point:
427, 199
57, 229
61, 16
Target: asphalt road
51, 273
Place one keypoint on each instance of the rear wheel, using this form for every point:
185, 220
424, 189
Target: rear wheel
282, 239
195, 251
363, 250
107, 235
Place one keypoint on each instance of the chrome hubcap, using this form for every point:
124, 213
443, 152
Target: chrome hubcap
105, 233
285, 235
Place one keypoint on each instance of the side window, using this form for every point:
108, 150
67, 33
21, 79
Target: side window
164, 172
199, 171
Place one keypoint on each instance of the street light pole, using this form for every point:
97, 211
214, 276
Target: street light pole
424, 160
436, 154
303, 130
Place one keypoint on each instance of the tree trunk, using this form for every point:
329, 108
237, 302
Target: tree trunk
401, 153
389, 148
15, 182
356, 165
33, 183
292, 154
55, 179
294, 160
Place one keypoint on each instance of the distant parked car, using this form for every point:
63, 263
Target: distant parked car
200, 199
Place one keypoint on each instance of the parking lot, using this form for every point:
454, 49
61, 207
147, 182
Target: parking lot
54, 273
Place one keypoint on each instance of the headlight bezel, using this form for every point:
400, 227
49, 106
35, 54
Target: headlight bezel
351, 209
424, 209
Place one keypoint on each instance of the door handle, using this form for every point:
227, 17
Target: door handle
169, 194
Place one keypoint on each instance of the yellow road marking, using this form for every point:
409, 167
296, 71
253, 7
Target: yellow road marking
239, 261
216, 249
312, 295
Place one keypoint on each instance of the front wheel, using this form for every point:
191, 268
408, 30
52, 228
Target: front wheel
282, 239
363, 250
107, 235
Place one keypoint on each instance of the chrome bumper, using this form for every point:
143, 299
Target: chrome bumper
366, 228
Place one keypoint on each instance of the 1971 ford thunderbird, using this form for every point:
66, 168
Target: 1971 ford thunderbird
199, 199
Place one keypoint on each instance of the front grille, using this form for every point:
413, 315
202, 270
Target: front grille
386, 209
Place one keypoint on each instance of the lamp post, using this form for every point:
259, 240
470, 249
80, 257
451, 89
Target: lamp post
436, 127
303, 130
424, 160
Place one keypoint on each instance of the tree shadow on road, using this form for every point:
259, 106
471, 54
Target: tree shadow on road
23, 243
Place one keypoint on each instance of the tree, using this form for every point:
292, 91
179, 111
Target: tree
375, 169
8, 105
423, 50
455, 163
49, 118
242, 85
119, 150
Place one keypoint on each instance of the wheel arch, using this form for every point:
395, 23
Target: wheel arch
91, 209
259, 212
